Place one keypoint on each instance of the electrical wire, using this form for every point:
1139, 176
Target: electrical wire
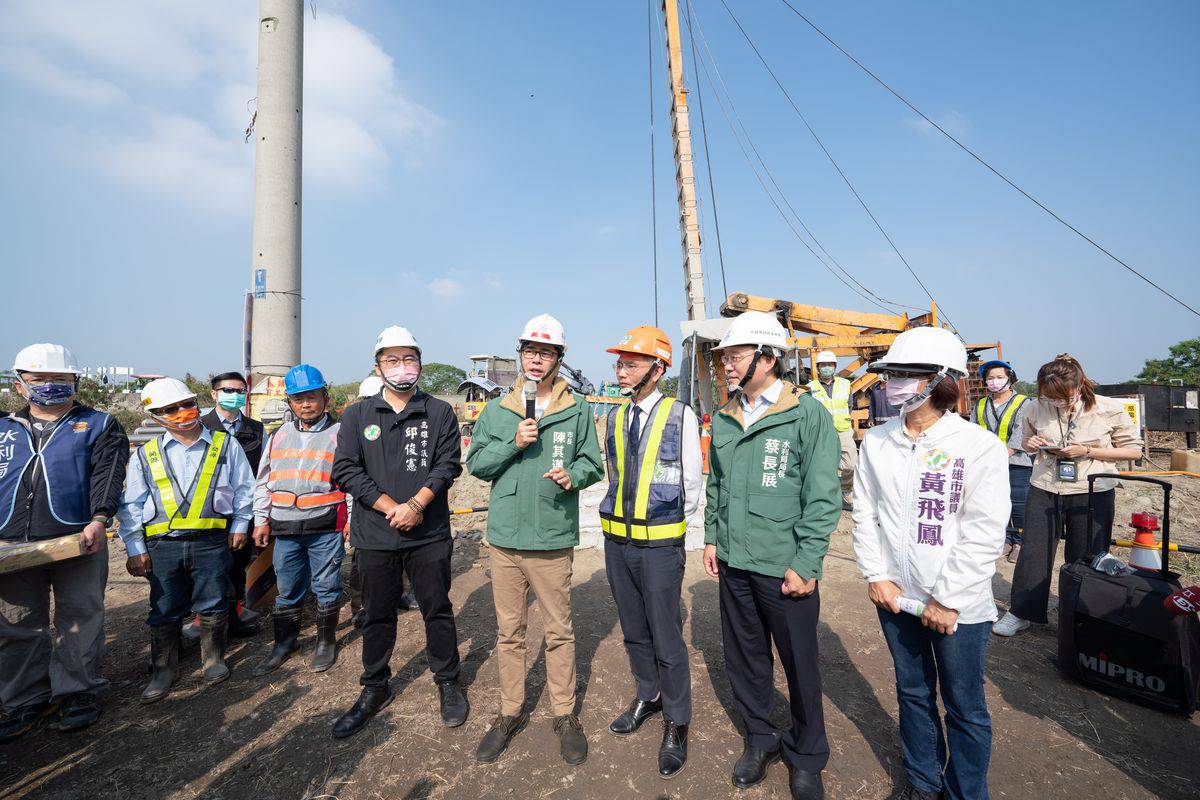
980, 159
712, 187
866, 293
832, 160
653, 187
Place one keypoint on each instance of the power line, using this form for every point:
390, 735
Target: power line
653, 187
869, 295
980, 159
712, 187
829, 155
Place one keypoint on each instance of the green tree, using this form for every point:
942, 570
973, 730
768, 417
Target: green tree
201, 386
669, 385
95, 394
441, 378
1026, 388
1183, 364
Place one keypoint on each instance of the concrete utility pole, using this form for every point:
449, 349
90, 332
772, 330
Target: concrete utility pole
275, 332
685, 177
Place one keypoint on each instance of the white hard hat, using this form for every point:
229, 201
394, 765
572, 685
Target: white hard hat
370, 386
826, 357
395, 336
757, 328
544, 329
163, 392
924, 350
46, 357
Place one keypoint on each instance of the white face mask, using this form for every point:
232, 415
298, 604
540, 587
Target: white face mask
899, 391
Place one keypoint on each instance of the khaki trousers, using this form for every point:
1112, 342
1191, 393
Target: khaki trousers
548, 573
849, 460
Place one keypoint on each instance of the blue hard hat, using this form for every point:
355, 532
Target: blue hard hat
303, 378
995, 362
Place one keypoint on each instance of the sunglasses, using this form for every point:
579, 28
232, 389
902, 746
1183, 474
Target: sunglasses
183, 405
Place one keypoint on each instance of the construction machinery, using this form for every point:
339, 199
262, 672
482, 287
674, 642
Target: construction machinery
861, 336
491, 376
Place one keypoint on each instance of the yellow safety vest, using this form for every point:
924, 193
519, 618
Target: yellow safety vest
1005, 420
657, 513
199, 515
838, 405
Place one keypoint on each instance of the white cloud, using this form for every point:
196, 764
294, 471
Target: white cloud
39, 72
492, 282
445, 288
164, 86
953, 122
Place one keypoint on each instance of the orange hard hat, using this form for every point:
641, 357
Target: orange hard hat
645, 340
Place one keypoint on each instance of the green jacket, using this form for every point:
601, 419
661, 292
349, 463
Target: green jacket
774, 496
527, 511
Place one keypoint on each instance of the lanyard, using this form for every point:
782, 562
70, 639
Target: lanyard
1071, 420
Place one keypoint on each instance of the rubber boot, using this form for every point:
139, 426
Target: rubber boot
164, 660
212, 648
287, 630
326, 653
238, 628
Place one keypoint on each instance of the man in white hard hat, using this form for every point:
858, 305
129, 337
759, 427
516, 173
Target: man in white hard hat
537, 446
833, 391
398, 453
773, 502
189, 499
61, 465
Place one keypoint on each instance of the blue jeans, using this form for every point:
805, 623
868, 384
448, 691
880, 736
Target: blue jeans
923, 659
188, 576
305, 557
1018, 491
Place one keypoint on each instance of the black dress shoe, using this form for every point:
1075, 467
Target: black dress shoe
25, 719
496, 740
639, 711
76, 711
806, 785
453, 702
368, 704
672, 753
752, 767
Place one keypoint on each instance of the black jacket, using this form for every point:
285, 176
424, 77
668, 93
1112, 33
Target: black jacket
31, 517
382, 452
249, 435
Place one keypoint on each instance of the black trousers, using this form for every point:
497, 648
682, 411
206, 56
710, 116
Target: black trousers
754, 612
646, 583
382, 574
1047, 517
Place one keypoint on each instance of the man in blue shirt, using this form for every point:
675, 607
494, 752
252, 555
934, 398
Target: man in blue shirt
188, 501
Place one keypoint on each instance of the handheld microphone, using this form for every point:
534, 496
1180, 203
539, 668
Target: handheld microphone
1183, 601
530, 389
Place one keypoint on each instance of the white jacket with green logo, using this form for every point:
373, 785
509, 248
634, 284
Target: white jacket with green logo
930, 513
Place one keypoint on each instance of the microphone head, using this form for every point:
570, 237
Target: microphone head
530, 388
1183, 601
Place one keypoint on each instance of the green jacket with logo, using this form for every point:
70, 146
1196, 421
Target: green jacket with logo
527, 511
774, 496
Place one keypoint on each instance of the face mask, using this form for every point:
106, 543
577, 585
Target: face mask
997, 384
1063, 405
230, 400
181, 420
50, 394
899, 391
826, 372
402, 378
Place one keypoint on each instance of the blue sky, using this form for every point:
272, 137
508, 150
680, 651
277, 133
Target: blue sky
471, 164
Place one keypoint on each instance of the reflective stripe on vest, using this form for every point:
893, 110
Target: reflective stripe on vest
300, 480
200, 515
657, 516
1005, 420
838, 405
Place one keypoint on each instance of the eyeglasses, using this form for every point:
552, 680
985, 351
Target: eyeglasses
182, 405
730, 360
392, 361
630, 366
541, 355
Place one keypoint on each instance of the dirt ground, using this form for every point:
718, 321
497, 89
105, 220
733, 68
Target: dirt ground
269, 738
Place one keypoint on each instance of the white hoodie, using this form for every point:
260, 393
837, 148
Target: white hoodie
930, 513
